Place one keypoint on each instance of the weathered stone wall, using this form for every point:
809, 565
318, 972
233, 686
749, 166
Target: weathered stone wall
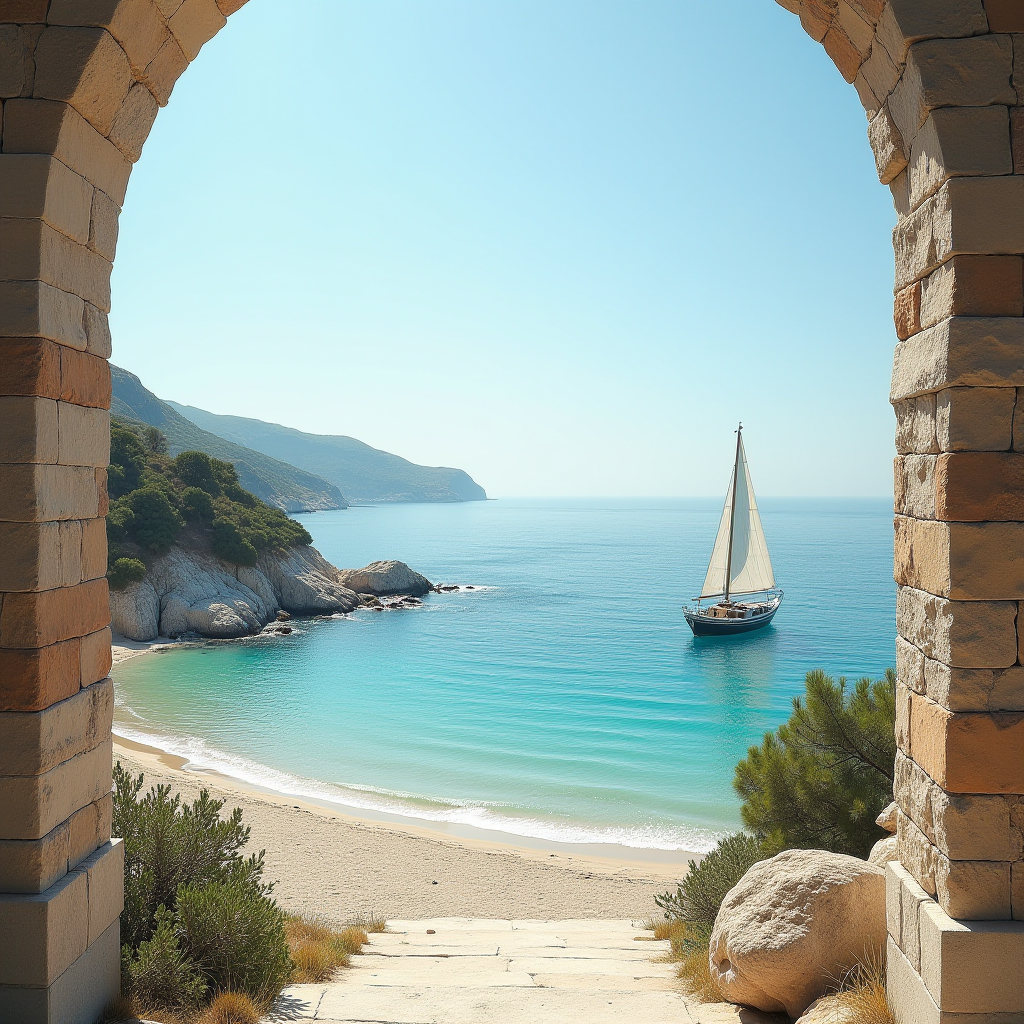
80, 84
942, 82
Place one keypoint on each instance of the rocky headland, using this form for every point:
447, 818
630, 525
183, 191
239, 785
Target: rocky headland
193, 591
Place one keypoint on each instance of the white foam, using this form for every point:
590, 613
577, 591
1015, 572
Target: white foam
476, 813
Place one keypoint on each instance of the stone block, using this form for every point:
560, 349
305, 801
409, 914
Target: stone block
85, 68
104, 225
34, 493
97, 330
972, 967
910, 664
30, 366
95, 658
1017, 890
915, 425
962, 827
31, 250
43, 934
84, 435
69, 534
959, 141
94, 550
13, 65
875, 80
965, 752
43, 126
135, 120
32, 743
195, 23
944, 72
47, 617
915, 487
33, 805
36, 186
975, 689
28, 430
1017, 129
973, 286
165, 69
32, 866
79, 996
907, 311
31, 680
104, 870
963, 634
845, 54
960, 352
974, 215
916, 853
29, 556
84, 379
858, 19
909, 21
99, 477
894, 872
980, 487
908, 998
973, 890
32, 309
228, 7
912, 896
135, 24
1004, 15
975, 419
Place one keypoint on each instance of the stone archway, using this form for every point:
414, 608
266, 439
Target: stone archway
81, 82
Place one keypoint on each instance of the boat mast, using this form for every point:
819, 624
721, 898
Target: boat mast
732, 512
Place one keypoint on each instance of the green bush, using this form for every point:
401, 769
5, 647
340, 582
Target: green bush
159, 974
699, 895
195, 469
823, 777
229, 544
155, 441
155, 523
196, 505
127, 460
125, 571
235, 932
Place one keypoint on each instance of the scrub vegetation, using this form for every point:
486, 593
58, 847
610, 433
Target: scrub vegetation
194, 500
817, 782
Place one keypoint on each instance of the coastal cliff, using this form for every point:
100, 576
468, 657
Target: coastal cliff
190, 591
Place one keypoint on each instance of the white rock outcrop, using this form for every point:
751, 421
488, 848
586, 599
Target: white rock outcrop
187, 591
383, 578
793, 925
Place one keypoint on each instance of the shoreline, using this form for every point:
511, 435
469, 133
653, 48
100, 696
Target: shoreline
669, 865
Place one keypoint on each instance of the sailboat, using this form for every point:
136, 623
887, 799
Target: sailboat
740, 565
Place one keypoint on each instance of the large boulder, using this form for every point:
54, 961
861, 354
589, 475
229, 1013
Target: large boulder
383, 578
829, 1010
305, 583
883, 851
793, 925
135, 611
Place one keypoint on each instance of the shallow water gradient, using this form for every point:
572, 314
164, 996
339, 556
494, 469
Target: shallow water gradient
567, 700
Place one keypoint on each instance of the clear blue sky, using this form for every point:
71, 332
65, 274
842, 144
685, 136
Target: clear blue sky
562, 244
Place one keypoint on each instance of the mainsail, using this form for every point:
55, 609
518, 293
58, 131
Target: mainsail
747, 565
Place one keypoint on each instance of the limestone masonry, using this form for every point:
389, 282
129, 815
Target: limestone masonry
942, 82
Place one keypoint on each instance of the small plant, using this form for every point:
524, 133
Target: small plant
230, 1008
319, 950
372, 923
823, 777
861, 993
123, 572
159, 973
691, 954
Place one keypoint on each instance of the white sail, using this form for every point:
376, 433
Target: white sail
751, 567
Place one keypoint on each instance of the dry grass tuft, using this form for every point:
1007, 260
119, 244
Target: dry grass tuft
230, 1008
862, 993
694, 970
319, 950
372, 923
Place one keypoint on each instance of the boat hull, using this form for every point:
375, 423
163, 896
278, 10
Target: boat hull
705, 625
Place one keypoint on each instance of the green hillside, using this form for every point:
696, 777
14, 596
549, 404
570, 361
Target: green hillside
363, 473
275, 482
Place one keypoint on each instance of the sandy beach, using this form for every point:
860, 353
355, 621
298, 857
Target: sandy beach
331, 862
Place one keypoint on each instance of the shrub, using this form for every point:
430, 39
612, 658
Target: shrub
155, 523
195, 469
235, 932
196, 505
823, 777
124, 572
154, 440
159, 973
699, 895
127, 458
229, 544
231, 1008
168, 844
318, 949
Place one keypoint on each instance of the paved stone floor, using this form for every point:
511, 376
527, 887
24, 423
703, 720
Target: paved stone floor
471, 971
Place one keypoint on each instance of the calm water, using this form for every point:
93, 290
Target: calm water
567, 700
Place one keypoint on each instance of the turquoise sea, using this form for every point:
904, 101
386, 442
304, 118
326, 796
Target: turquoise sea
564, 698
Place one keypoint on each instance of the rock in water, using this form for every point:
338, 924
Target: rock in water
384, 578
793, 925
